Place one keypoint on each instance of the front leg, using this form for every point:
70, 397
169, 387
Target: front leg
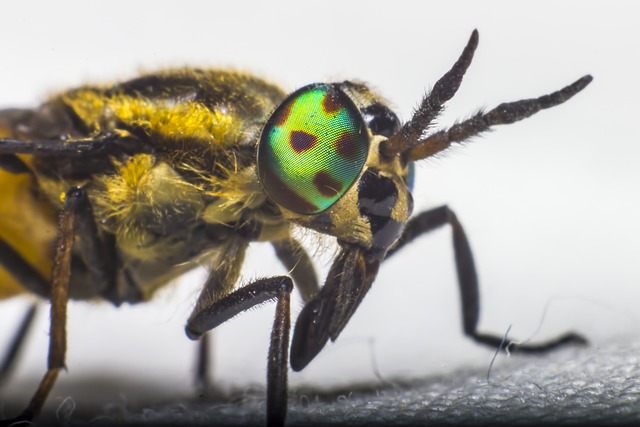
468, 279
207, 317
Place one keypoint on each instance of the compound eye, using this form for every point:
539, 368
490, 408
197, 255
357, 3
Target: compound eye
312, 149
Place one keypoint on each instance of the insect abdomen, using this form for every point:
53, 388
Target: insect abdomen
28, 225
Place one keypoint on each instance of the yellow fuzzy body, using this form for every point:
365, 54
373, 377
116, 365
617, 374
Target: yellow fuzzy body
197, 171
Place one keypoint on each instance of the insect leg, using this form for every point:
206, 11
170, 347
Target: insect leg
203, 365
16, 343
468, 279
103, 145
220, 283
78, 147
98, 253
297, 261
506, 113
59, 298
258, 292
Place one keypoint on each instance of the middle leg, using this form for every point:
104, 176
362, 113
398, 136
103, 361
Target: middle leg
297, 261
468, 279
219, 311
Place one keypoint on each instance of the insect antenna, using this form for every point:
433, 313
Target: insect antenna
506, 113
411, 132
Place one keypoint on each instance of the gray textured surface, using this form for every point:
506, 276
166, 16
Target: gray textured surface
571, 387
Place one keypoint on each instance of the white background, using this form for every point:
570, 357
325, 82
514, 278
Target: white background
551, 204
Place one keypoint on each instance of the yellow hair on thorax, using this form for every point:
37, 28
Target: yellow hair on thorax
172, 119
235, 191
142, 193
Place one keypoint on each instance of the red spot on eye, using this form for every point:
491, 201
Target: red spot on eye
346, 146
331, 103
283, 194
283, 115
326, 184
302, 141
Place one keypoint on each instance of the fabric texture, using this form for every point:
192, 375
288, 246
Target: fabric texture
579, 386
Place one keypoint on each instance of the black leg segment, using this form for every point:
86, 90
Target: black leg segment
258, 292
16, 343
468, 279
98, 252
203, 364
278, 357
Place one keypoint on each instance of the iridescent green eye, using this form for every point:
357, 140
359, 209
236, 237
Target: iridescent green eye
312, 149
